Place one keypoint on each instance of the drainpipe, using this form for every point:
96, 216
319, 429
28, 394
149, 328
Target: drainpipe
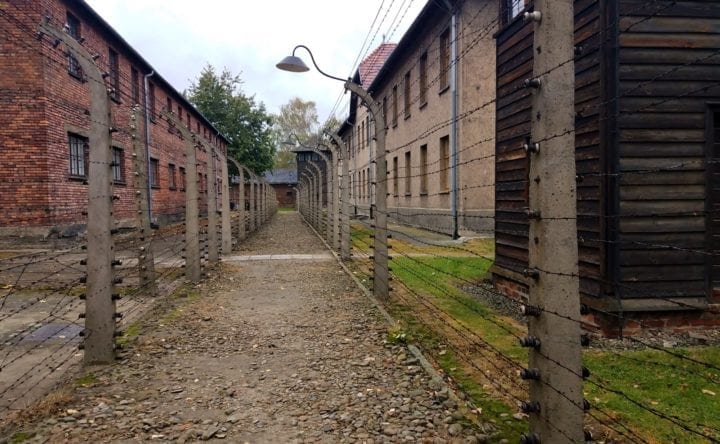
454, 114
146, 85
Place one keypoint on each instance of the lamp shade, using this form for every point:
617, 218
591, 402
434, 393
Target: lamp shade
293, 64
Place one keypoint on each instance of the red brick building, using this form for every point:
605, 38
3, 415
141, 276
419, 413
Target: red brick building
44, 123
284, 182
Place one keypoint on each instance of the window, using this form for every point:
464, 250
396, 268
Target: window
172, 183
73, 26
168, 104
423, 78
187, 115
182, 179
154, 173
135, 87
114, 71
118, 165
151, 101
394, 106
396, 181
197, 127
367, 130
362, 184
444, 61
369, 184
384, 111
406, 93
423, 169
78, 155
179, 112
74, 30
408, 174
444, 163
514, 8
361, 134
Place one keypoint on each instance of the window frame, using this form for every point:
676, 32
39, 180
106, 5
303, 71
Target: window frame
408, 173
118, 165
423, 170
135, 85
422, 67
172, 178
78, 158
444, 163
74, 26
396, 179
114, 72
394, 106
154, 178
444, 60
151, 101
406, 94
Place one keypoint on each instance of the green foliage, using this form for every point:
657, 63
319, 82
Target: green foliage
297, 118
245, 123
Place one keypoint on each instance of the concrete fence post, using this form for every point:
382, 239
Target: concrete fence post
212, 208
226, 221
381, 281
192, 207
556, 393
100, 315
344, 198
146, 260
242, 230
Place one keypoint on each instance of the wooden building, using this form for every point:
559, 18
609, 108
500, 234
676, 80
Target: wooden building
647, 137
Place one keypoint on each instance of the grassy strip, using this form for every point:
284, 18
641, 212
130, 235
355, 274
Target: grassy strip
654, 379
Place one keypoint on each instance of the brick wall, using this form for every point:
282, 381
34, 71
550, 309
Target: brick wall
42, 103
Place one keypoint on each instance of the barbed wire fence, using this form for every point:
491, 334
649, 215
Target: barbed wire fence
523, 382
66, 303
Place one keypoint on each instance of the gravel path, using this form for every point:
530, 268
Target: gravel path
272, 351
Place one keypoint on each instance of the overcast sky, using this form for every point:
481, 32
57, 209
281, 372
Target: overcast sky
178, 37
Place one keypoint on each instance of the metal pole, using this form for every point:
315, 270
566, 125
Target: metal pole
380, 272
553, 250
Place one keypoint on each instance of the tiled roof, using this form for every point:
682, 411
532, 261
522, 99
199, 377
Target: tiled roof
372, 64
286, 175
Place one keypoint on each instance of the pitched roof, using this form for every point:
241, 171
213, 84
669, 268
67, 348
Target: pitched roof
372, 64
285, 175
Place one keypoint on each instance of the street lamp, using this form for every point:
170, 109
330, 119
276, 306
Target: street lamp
293, 63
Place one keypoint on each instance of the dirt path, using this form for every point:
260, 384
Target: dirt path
274, 350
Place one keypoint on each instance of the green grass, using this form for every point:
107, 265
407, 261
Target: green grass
131, 332
652, 379
440, 278
491, 408
20, 437
674, 387
86, 380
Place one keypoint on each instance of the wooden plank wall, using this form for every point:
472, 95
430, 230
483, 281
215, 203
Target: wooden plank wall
669, 69
513, 108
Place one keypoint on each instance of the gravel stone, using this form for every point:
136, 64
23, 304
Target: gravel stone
270, 351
